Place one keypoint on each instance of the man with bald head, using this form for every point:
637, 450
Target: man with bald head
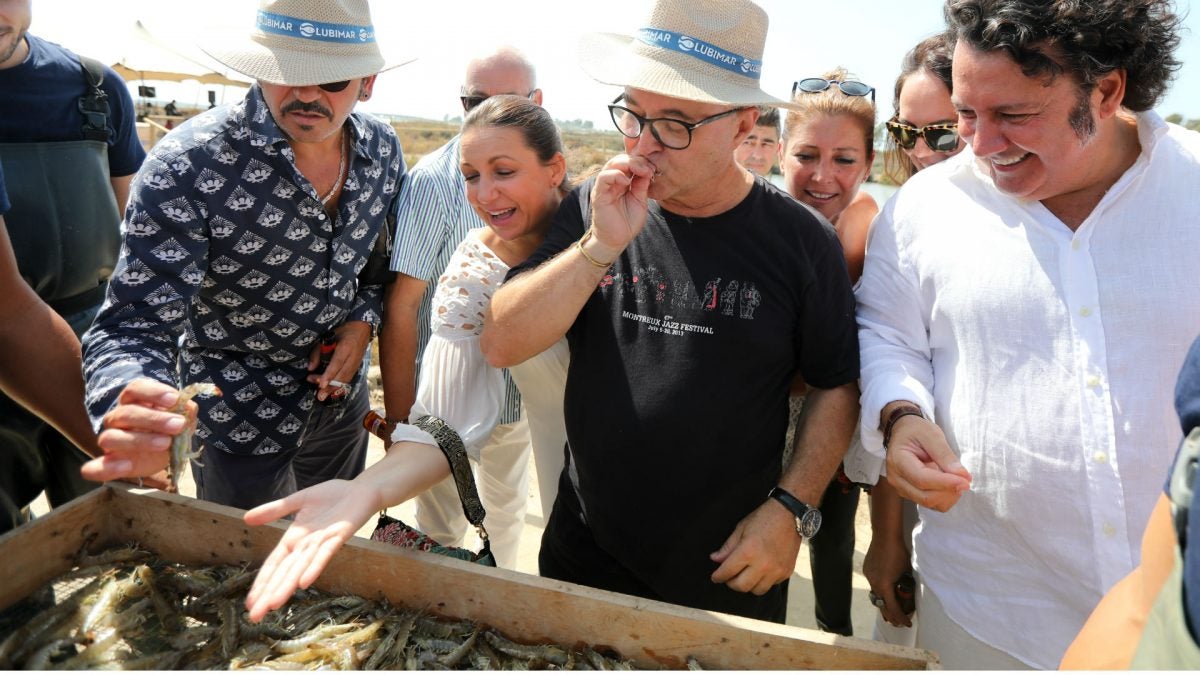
432, 218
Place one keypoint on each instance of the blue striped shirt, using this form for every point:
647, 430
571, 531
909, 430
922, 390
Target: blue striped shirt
432, 218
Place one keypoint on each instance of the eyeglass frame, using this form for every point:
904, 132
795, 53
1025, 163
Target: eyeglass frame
828, 83
648, 122
919, 132
465, 99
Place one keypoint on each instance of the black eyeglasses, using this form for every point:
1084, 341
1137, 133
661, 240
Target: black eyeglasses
471, 102
334, 87
672, 133
939, 137
816, 85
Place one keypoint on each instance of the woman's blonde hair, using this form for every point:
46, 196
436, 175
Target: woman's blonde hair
832, 102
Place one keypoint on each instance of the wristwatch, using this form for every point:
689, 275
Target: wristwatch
808, 518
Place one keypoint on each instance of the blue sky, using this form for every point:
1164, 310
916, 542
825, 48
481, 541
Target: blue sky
868, 37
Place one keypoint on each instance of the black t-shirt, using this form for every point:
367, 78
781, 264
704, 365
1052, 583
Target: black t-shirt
676, 398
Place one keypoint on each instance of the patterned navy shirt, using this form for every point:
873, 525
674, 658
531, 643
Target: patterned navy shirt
230, 271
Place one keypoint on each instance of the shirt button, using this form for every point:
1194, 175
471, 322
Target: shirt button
1109, 530
321, 217
1100, 457
1085, 312
1075, 244
1093, 381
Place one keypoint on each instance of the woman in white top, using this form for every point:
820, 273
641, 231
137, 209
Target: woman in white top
513, 163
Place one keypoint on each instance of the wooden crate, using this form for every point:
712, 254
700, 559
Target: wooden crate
524, 607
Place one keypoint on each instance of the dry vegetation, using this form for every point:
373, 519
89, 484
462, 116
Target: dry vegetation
585, 149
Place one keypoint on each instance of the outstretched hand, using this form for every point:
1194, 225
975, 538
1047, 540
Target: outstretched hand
327, 515
761, 551
922, 467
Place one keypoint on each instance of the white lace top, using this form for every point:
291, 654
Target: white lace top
457, 384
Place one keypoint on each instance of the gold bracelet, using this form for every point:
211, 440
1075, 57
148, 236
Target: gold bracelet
579, 245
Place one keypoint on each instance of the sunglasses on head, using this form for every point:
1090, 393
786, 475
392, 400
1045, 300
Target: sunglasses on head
334, 87
470, 102
816, 85
941, 137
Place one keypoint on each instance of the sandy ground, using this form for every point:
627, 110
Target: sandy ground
800, 600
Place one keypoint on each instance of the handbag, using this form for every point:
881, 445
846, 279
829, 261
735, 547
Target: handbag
396, 532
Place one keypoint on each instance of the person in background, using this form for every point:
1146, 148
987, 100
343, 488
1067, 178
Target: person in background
512, 162
433, 217
758, 152
69, 148
244, 239
170, 109
923, 129
922, 132
691, 291
826, 154
1148, 621
1020, 309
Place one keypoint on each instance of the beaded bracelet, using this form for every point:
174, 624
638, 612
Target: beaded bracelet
579, 245
902, 411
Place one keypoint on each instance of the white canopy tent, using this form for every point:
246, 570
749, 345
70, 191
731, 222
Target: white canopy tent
146, 58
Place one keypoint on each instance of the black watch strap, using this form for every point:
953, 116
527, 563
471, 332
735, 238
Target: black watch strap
808, 518
797, 507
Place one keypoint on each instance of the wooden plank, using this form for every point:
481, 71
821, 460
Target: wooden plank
37, 552
527, 608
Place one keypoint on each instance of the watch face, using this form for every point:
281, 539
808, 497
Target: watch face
809, 523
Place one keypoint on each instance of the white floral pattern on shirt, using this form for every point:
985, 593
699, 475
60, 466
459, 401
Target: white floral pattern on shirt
230, 270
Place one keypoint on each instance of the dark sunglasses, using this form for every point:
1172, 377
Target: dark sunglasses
334, 87
941, 137
469, 103
816, 85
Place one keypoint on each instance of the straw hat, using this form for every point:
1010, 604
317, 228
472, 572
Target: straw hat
698, 50
305, 42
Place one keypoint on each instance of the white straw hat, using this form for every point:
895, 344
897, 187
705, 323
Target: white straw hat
306, 42
698, 50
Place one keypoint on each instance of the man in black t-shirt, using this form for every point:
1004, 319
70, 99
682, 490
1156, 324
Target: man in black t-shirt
691, 293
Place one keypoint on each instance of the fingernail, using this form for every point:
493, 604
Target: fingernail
160, 442
122, 465
174, 424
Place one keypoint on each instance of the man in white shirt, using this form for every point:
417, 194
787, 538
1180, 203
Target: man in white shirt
1022, 314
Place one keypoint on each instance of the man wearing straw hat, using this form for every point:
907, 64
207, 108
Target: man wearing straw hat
246, 232
690, 292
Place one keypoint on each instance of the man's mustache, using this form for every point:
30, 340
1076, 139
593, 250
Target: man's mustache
301, 106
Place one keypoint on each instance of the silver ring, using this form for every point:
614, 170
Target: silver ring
876, 600
339, 384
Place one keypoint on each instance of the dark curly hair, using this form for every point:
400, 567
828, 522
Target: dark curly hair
1085, 38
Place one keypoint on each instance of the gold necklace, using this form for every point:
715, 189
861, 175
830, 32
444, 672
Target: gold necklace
340, 175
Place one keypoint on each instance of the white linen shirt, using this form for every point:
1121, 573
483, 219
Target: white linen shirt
1048, 358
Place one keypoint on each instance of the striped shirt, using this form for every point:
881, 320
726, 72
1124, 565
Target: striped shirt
432, 218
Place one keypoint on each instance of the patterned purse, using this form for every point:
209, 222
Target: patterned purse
393, 531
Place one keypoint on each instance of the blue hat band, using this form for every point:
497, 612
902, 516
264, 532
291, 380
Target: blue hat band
303, 29
704, 51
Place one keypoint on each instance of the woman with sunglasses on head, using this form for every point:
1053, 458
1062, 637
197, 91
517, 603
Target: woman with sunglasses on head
922, 132
924, 126
825, 154
513, 165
